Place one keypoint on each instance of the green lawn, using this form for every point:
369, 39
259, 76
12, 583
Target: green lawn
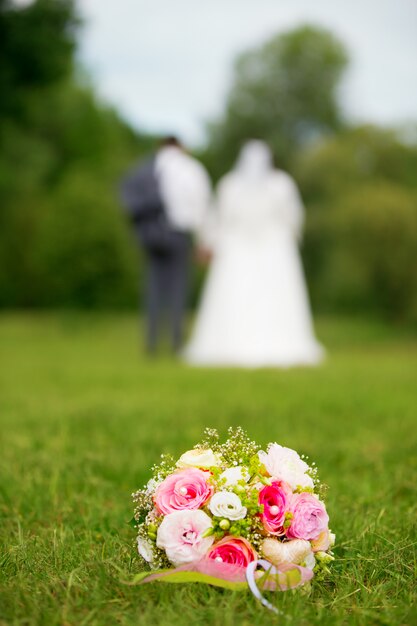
84, 415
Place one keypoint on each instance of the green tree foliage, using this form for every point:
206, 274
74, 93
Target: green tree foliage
61, 157
36, 47
356, 155
361, 239
284, 92
73, 146
84, 254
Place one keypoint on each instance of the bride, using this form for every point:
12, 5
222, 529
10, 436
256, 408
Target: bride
254, 310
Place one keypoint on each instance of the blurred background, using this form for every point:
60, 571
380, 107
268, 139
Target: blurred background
90, 86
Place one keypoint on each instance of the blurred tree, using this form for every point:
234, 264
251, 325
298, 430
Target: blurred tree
83, 253
284, 92
369, 259
37, 183
36, 47
354, 156
361, 238
61, 156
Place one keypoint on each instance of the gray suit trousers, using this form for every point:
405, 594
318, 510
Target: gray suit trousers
167, 291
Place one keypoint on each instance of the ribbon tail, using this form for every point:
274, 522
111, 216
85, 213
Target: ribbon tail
285, 576
250, 578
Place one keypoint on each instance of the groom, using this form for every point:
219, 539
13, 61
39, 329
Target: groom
167, 199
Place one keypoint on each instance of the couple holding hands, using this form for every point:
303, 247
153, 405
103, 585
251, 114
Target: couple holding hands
254, 309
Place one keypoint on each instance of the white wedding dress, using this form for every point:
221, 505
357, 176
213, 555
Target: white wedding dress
254, 310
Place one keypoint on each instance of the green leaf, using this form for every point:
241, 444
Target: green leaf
170, 576
290, 579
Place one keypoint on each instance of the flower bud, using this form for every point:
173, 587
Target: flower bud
324, 557
224, 524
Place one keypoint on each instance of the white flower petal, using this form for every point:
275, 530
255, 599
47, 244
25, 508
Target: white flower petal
145, 549
202, 459
227, 505
234, 474
181, 536
285, 464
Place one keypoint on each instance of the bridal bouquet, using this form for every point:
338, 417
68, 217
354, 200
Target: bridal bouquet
222, 510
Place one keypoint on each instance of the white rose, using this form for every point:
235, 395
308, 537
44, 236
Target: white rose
228, 505
285, 464
234, 474
181, 535
145, 549
202, 459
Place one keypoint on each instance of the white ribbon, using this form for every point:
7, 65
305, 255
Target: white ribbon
250, 577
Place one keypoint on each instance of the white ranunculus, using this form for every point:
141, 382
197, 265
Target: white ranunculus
145, 549
234, 474
228, 505
203, 459
181, 535
285, 464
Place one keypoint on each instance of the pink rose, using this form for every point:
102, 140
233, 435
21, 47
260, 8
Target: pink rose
187, 489
310, 517
233, 550
181, 536
275, 499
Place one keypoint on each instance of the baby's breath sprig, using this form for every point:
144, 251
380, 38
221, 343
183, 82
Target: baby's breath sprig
210, 440
321, 490
256, 534
238, 449
312, 470
144, 504
159, 557
164, 468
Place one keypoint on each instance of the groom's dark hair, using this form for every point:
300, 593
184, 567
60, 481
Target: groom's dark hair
171, 140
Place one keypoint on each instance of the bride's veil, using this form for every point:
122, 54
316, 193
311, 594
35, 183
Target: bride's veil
255, 159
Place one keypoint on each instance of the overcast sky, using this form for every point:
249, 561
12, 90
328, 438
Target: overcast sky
166, 64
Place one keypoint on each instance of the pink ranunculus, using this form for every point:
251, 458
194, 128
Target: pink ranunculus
181, 535
275, 499
309, 519
233, 550
186, 489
